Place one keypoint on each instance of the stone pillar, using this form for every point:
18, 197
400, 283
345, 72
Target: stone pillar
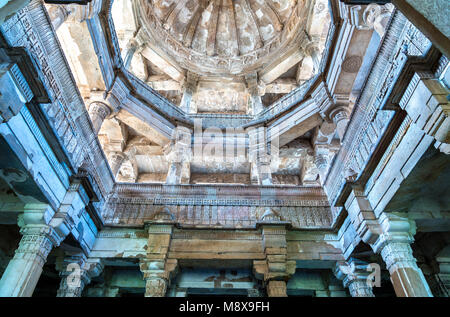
389, 235
179, 153
276, 289
394, 247
23, 271
340, 117
259, 156
254, 92
76, 272
189, 87
157, 268
314, 52
275, 270
115, 160
356, 277
321, 162
131, 49
98, 112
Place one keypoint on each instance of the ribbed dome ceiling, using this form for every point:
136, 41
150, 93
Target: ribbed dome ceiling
224, 27
223, 36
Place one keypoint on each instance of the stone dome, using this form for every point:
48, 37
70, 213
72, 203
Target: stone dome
223, 37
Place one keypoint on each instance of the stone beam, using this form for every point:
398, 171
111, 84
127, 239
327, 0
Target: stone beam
163, 82
142, 128
281, 86
162, 64
280, 66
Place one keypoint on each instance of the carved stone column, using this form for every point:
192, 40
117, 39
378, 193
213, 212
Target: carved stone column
23, 271
340, 117
179, 153
314, 51
355, 276
389, 235
394, 247
275, 270
158, 269
276, 289
259, 155
98, 112
76, 272
255, 95
321, 161
115, 160
189, 87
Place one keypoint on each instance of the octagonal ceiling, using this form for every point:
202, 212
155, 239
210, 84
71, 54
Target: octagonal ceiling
222, 42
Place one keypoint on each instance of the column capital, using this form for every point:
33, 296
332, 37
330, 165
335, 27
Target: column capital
356, 276
38, 240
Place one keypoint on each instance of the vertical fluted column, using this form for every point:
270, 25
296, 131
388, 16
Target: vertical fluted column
23, 271
98, 112
356, 277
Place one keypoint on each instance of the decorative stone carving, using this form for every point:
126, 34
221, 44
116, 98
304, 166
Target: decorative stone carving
259, 155
76, 272
276, 289
115, 160
23, 271
352, 64
340, 117
374, 16
179, 153
356, 277
98, 112
157, 268
391, 236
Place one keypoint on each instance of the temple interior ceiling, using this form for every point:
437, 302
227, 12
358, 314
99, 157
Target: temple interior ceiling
213, 58
230, 47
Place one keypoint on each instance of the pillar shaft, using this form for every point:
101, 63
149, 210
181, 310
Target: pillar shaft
98, 112
276, 289
407, 278
179, 154
23, 271
115, 160
76, 272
